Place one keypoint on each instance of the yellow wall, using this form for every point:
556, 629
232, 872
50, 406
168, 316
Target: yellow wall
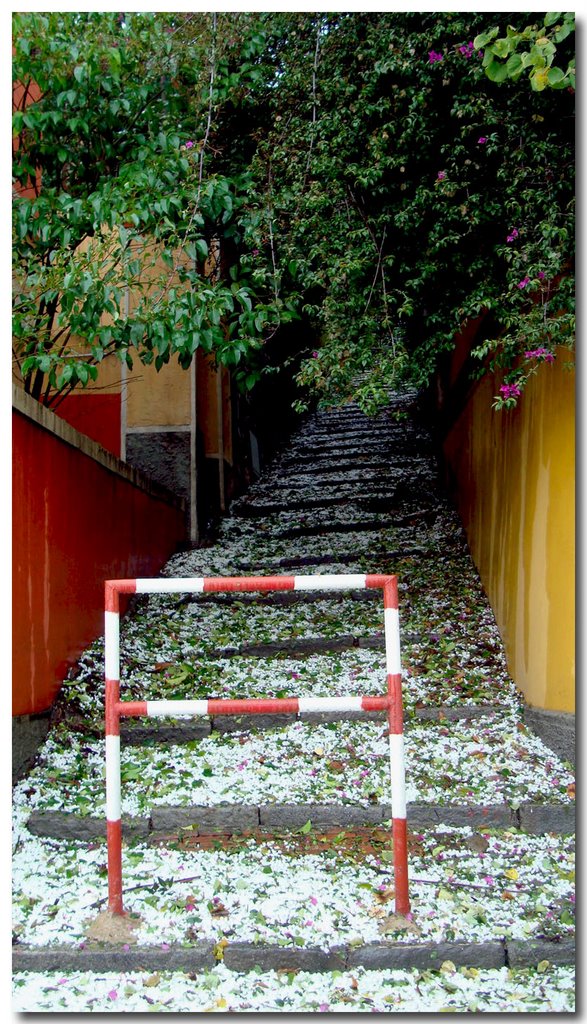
516, 495
158, 398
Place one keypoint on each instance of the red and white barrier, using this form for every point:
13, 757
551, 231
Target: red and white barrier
115, 708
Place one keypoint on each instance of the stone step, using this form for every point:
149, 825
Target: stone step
348, 557
136, 732
246, 956
535, 819
250, 509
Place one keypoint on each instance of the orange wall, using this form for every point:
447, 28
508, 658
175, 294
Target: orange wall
515, 490
79, 517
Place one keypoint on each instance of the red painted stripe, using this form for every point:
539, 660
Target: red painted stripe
113, 588
253, 706
390, 596
394, 689
247, 583
400, 865
114, 843
375, 703
111, 707
132, 708
377, 582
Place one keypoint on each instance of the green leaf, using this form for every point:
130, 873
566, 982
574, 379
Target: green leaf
496, 71
555, 77
551, 18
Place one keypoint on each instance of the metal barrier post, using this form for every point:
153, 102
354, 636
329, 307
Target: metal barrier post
392, 702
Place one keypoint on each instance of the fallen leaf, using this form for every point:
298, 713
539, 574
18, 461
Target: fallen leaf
398, 923
447, 967
152, 980
543, 966
512, 874
385, 894
377, 912
477, 842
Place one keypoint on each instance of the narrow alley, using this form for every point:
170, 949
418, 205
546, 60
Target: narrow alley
257, 860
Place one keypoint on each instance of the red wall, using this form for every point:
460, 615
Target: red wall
75, 524
96, 416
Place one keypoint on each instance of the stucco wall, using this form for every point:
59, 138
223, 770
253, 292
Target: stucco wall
514, 488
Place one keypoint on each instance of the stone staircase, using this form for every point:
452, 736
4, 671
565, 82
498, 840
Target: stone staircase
351, 495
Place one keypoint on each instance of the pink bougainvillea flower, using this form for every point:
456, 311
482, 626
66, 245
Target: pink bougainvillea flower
189, 144
541, 275
314, 355
441, 176
313, 901
482, 140
512, 235
467, 49
434, 57
113, 994
540, 353
525, 281
508, 391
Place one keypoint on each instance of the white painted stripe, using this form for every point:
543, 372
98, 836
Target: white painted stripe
330, 704
160, 708
392, 654
112, 645
397, 772
176, 585
344, 581
113, 778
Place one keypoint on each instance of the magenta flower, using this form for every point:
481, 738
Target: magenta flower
313, 901
314, 355
189, 144
523, 282
441, 176
482, 140
467, 49
508, 391
434, 57
113, 994
540, 353
513, 234
541, 275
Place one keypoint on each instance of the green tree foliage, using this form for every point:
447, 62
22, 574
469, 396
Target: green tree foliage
412, 193
132, 194
364, 172
532, 50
